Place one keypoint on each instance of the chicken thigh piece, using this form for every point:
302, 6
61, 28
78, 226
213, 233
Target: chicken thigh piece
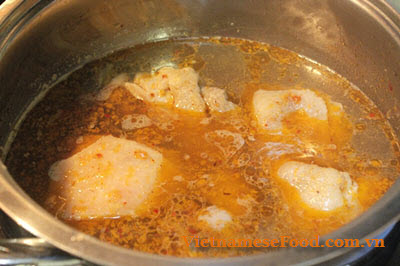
270, 107
169, 86
109, 178
320, 188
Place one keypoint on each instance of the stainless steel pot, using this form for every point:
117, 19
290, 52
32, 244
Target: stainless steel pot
40, 41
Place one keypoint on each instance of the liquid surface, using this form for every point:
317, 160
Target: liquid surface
216, 164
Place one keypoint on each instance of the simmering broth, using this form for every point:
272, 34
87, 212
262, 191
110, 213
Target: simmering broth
225, 163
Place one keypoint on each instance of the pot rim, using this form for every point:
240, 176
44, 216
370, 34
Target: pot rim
31, 216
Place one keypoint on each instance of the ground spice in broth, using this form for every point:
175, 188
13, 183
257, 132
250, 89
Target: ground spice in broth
197, 173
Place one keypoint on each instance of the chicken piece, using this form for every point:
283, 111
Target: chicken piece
151, 88
320, 188
109, 178
169, 86
217, 100
270, 107
216, 218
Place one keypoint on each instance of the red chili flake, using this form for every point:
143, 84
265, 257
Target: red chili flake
107, 115
163, 251
390, 86
296, 98
298, 131
155, 210
192, 230
124, 202
173, 213
99, 155
371, 115
164, 76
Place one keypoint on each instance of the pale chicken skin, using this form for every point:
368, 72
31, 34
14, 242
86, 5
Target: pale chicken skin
109, 178
270, 107
217, 100
321, 188
169, 86
215, 217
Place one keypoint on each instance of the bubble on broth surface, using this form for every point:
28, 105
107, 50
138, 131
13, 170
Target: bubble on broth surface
134, 121
228, 142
